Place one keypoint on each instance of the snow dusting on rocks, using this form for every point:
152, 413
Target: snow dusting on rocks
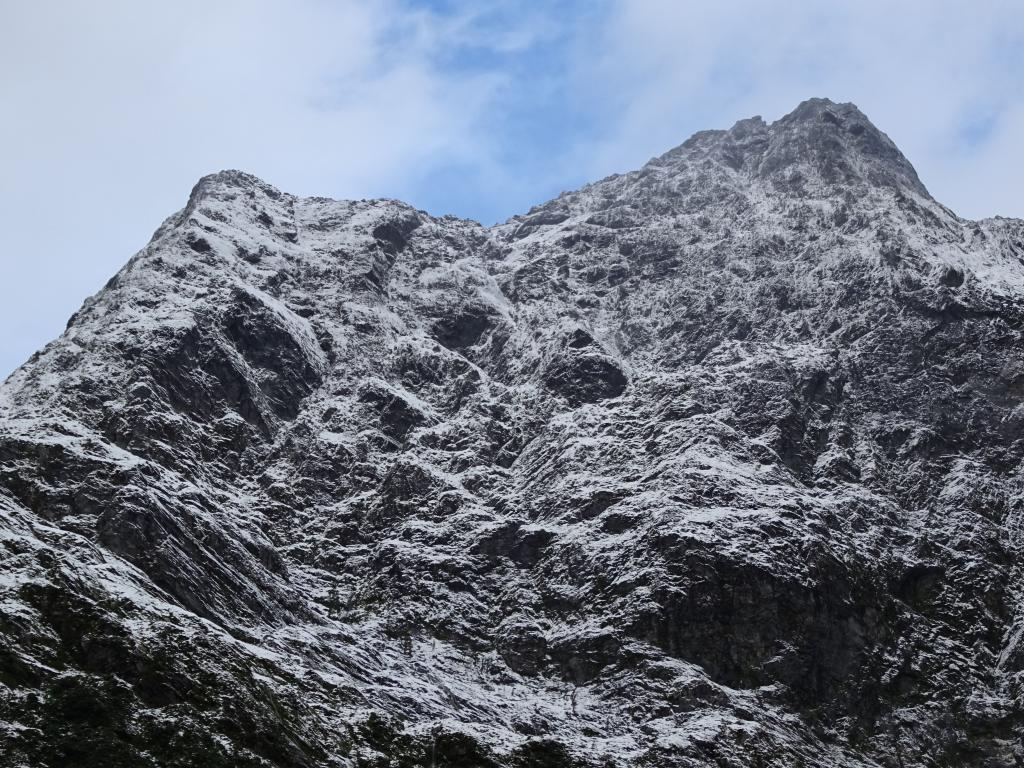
717, 462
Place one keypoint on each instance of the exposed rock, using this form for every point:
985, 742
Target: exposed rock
717, 462
585, 378
523, 646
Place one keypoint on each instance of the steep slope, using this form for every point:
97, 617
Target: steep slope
713, 463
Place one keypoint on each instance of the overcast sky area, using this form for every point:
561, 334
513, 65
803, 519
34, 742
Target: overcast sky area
113, 109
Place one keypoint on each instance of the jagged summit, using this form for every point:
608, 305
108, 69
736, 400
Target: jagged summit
716, 462
824, 152
833, 146
814, 108
819, 147
846, 144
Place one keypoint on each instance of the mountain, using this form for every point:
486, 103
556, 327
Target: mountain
718, 462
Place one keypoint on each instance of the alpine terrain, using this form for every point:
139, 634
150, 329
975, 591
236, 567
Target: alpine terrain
714, 463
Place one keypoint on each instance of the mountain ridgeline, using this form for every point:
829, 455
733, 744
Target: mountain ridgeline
713, 463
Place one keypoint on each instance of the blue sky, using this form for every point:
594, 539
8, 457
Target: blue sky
113, 108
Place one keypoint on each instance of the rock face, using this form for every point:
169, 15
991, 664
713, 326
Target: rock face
713, 463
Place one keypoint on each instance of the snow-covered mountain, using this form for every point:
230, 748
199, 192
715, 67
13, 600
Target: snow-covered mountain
718, 462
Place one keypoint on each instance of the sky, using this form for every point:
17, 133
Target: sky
113, 109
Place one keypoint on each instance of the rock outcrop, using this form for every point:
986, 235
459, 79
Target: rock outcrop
718, 462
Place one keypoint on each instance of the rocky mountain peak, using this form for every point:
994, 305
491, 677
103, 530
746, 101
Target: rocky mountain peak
821, 147
716, 462
228, 183
822, 160
842, 144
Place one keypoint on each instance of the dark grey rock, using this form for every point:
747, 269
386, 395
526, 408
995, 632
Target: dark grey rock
717, 462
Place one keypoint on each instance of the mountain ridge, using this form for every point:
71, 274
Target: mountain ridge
713, 462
